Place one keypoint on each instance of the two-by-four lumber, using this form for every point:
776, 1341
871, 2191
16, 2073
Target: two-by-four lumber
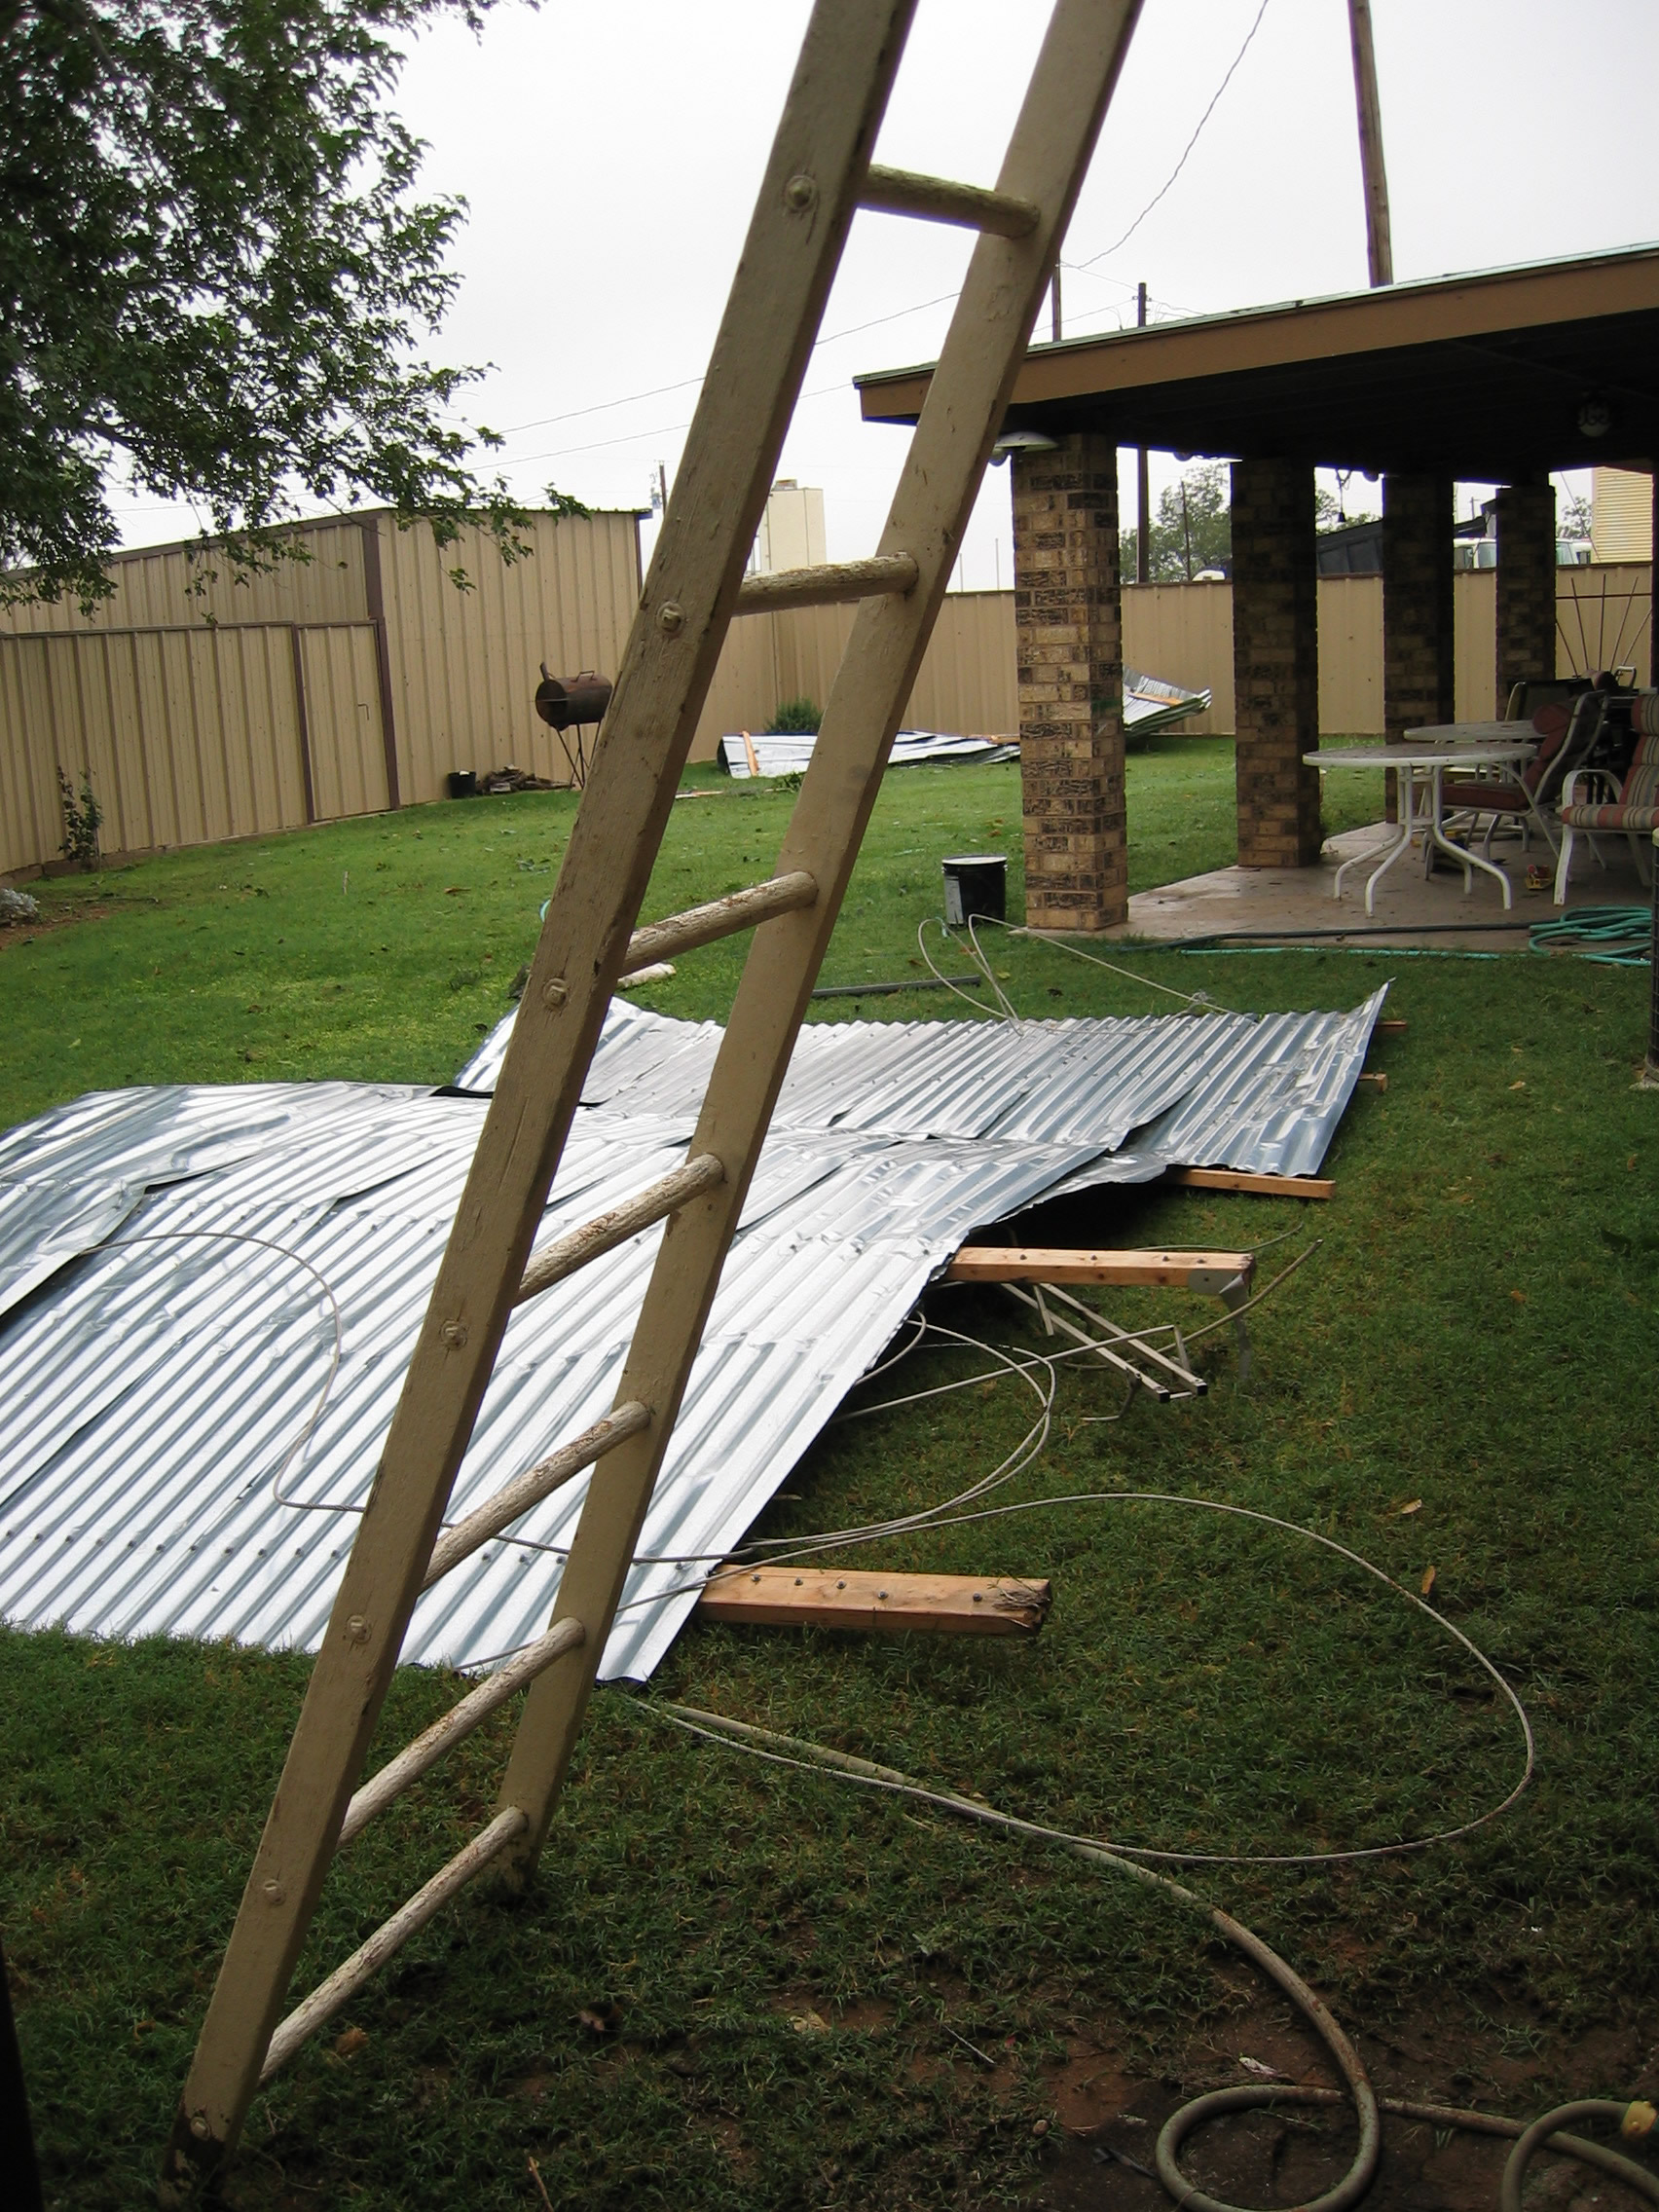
1234, 1179
947, 1604
1181, 1270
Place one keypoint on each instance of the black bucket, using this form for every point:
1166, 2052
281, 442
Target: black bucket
976, 884
463, 783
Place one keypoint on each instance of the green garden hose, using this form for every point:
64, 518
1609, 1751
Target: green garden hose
1616, 937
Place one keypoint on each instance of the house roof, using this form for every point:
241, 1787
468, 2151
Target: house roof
1483, 376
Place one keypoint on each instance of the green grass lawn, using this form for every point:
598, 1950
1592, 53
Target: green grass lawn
1475, 1331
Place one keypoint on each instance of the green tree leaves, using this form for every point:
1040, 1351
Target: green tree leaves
214, 276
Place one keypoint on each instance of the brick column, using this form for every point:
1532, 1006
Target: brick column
1275, 663
1418, 662
1069, 642
1525, 585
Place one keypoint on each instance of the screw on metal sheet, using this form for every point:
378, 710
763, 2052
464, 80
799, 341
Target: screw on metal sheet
199, 2126
800, 194
358, 1629
454, 1334
670, 617
554, 993
275, 1893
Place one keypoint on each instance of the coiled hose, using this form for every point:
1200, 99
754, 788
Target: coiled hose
1636, 2120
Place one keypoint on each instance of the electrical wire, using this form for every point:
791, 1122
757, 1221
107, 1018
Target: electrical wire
1107, 252
1637, 2118
1199, 1001
282, 1251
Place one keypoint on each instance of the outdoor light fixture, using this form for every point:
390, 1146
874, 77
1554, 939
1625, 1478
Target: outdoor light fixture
1595, 417
1021, 441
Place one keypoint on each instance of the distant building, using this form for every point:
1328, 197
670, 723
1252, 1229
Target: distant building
1621, 514
1351, 550
792, 529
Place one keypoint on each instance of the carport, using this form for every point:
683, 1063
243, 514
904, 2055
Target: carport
1499, 376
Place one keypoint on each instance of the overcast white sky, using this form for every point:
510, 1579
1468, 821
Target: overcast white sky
610, 156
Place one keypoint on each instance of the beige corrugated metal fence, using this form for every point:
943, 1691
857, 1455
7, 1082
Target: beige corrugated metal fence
280, 713
253, 707
154, 588
463, 665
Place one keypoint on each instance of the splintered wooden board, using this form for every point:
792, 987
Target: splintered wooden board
941, 1604
1016, 1262
1233, 1179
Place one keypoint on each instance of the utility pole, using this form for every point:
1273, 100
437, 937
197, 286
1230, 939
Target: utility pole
1055, 307
1379, 245
1186, 529
1143, 532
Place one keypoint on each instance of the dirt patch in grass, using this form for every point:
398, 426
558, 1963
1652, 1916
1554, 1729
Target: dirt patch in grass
1109, 2112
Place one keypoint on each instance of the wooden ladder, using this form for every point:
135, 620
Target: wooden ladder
820, 172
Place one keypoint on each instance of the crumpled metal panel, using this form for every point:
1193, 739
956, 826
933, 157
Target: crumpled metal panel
197, 1406
1269, 1102
789, 753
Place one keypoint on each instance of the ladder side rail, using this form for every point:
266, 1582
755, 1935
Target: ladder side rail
1048, 156
819, 158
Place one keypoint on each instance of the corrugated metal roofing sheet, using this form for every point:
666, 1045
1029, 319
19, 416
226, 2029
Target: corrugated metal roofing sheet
214, 1293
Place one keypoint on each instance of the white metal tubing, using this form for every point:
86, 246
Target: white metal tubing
828, 585
535, 1483
721, 917
366, 1961
456, 1725
565, 1254
935, 200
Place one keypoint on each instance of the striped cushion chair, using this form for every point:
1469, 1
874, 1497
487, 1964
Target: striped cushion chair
1593, 800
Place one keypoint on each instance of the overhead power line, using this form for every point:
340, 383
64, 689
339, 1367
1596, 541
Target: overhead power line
1106, 253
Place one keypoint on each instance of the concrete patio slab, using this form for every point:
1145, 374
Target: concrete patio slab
1271, 903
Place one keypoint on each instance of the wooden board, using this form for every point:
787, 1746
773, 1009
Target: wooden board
947, 1605
1013, 1263
1230, 1179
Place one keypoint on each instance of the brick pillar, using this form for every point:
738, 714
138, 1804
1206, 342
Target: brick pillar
1417, 663
1525, 585
1069, 642
1275, 663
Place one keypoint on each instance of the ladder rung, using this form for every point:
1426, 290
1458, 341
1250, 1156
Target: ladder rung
935, 200
415, 1758
565, 1254
721, 917
343, 1984
828, 585
533, 1485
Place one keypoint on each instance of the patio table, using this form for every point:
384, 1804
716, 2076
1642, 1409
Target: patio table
1422, 763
